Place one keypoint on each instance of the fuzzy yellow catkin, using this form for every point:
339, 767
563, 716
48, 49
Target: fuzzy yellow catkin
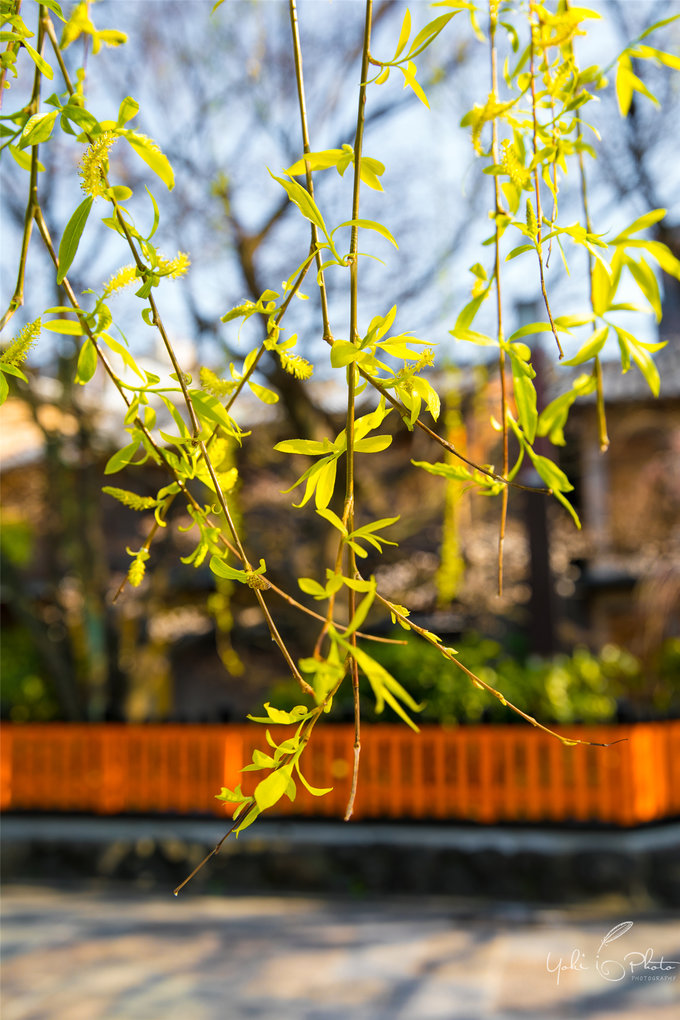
17, 350
518, 173
174, 267
558, 29
295, 365
136, 573
532, 222
213, 384
483, 114
95, 163
123, 278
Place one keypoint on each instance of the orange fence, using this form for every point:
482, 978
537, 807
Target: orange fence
481, 773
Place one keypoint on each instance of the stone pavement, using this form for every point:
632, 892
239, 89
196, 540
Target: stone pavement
113, 953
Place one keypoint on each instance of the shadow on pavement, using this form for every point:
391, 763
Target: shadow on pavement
120, 954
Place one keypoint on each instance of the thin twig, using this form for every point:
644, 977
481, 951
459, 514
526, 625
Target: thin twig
201, 443
17, 298
603, 437
215, 850
49, 28
241, 818
451, 655
234, 395
299, 79
449, 447
537, 185
351, 394
493, 17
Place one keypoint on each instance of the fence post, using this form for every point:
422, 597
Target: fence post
6, 768
650, 778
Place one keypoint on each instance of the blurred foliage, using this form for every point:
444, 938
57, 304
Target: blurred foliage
581, 687
16, 540
26, 695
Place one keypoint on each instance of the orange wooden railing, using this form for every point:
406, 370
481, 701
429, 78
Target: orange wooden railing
481, 773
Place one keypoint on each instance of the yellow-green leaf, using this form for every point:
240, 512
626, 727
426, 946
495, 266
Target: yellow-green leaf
403, 34
317, 161
68, 326
271, 789
71, 239
38, 60
38, 128
314, 790
87, 362
624, 85
153, 157
369, 225
410, 81
591, 347
24, 159
326, 484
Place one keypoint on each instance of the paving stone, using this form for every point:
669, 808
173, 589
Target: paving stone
116, 954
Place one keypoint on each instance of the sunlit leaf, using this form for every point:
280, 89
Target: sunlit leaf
590, 348
369, 225
303, 200
314, 790
38, 128
271, 789
121, 458
311, 587
38, 60
404, 33
71, 237
152, 156
128, 109
24, 159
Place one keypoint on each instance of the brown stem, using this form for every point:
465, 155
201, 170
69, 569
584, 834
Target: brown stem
305, 734
49, 29
299, 78
499, 301
449, 447
302, 683
602, 435
17, 298
158, 322
351, 388
451, 655
357, 741
537, 188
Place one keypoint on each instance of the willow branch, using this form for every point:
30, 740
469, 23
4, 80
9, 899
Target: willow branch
452, 656
70, 293
351, 394
603, 437
537, 187
17, 298
229, 404
242, 817
299, 80
499, 302
49, 28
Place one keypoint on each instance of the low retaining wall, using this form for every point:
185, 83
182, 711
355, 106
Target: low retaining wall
528, 865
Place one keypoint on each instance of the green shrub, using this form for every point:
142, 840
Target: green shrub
580, 687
